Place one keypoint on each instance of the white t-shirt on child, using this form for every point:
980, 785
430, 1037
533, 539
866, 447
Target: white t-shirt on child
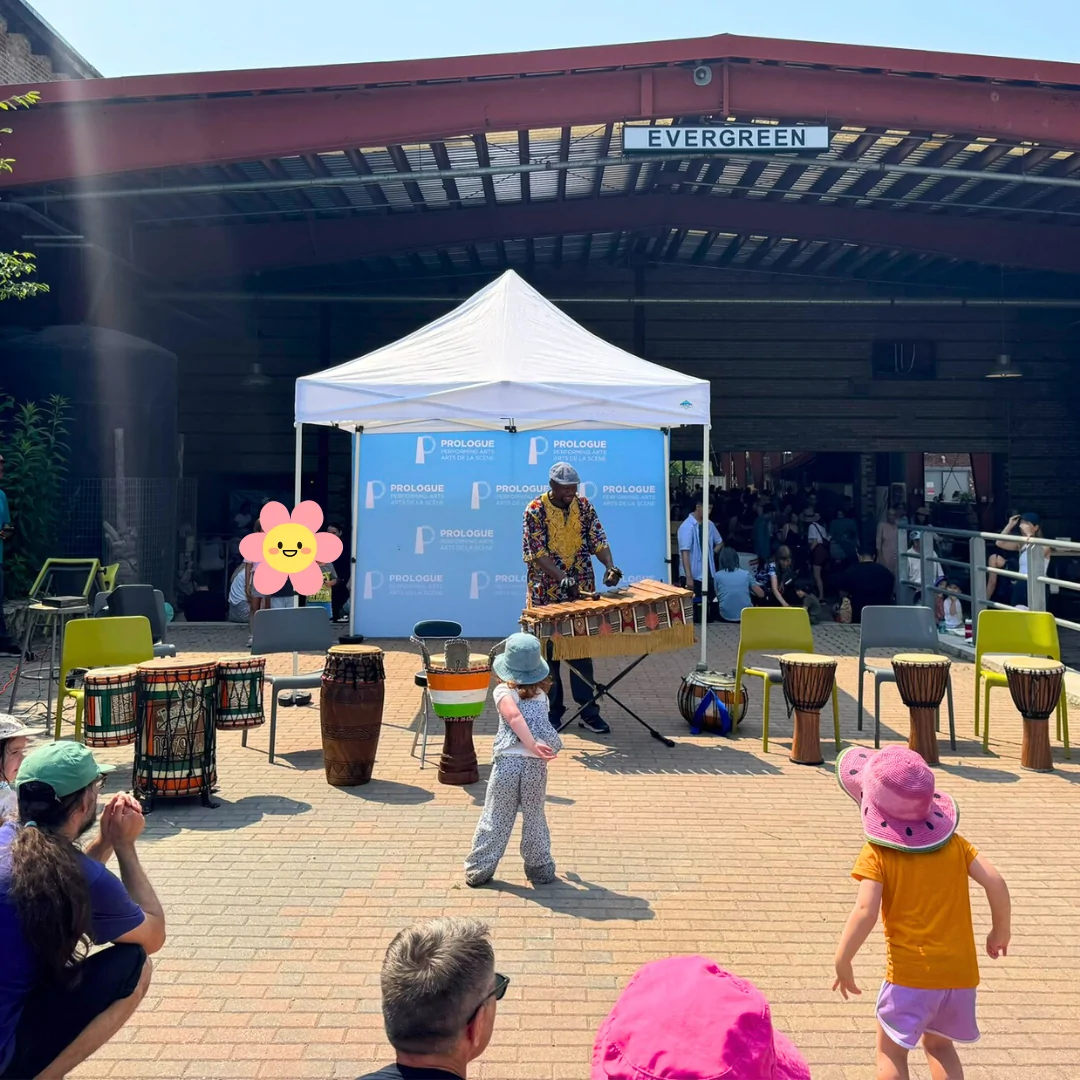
507, 744
954, 612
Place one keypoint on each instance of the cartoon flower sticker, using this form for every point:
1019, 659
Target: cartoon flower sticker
291, 547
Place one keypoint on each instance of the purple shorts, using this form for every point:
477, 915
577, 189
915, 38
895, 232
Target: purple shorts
906, 1014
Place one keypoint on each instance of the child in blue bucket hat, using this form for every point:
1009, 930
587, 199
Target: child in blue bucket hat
524, 744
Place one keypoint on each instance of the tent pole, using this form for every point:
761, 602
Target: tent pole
298, 470
706, 546
354, 538
667, 500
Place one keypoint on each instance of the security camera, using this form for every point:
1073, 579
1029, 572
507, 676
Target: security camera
702, 75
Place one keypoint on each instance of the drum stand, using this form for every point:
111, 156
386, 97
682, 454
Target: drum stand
603, 690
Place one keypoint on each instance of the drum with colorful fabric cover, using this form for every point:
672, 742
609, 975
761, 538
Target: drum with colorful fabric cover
239, 692
704, 698
109, 706
175, 747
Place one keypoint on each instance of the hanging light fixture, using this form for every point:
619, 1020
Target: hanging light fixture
255, 377
1002, 367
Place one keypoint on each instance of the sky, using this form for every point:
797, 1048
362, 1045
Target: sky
135, 37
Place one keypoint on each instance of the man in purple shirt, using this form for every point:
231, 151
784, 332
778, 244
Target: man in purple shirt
57, 1004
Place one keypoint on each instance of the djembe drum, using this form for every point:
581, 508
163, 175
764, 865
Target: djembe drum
808, 685
457, 684
1035, 684
701, 695
350, 712
922, 679
239, 692
175, 745
109, 706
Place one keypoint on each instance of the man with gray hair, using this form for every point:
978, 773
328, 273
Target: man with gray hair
561, 536
439, 997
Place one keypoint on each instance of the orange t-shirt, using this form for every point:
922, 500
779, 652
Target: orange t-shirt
926, 909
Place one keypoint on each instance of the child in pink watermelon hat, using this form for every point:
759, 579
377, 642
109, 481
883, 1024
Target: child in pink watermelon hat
685, 1018
914, 869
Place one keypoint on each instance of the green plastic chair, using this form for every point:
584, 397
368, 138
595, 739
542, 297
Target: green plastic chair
91, 643
1015, 633
776, 630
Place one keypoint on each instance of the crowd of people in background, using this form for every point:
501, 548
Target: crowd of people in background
812, 548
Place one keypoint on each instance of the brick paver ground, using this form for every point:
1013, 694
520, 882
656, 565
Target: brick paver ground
281, 902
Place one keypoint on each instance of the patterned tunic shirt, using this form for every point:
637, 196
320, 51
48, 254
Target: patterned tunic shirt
570, 538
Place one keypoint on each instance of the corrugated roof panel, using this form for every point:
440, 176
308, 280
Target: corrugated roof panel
515, 251
338, 165
462, 155
379, 161
422, 159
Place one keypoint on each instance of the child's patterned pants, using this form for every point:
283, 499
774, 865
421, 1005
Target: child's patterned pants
515, 783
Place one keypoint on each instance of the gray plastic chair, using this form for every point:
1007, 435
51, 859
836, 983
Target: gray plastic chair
424, 631
289, 630
142, 600
903, 629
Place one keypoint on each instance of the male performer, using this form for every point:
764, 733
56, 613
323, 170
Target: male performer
561, 535
691, 546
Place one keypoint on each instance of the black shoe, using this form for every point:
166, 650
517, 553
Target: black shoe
287, 699
596, 724
302, 697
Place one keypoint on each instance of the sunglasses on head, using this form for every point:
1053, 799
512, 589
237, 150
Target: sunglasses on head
498, 993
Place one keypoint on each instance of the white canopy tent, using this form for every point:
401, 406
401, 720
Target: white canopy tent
505, 359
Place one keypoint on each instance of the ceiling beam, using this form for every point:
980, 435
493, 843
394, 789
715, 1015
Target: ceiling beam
102, 137
238, 250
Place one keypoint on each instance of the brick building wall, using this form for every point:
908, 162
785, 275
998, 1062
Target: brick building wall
18, 61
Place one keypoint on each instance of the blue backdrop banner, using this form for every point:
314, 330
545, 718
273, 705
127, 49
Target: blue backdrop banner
441, 520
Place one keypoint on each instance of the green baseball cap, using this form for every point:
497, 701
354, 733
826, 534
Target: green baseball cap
66, 767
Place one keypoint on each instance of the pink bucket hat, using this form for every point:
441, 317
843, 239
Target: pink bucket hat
895, 789
685, 1018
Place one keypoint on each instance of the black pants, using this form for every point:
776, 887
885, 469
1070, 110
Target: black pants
579, 688
713, 613
339, 596
53, 1016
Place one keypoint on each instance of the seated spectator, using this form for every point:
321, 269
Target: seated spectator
439, 998
734, 586
57, 1003
782, 579
685, 1018
13, 736
866, 583
952, 611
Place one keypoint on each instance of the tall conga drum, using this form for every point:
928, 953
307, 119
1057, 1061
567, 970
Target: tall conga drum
808, 685
175, 746
109, 706
457, 695
922, 679
350, 712
1035, 683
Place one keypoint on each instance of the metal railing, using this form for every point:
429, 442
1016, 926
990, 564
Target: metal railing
1036, 577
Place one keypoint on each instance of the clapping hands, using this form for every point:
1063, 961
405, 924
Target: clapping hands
122, 821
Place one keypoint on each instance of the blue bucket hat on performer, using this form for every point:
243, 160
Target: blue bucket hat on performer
562, 472
520, 661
